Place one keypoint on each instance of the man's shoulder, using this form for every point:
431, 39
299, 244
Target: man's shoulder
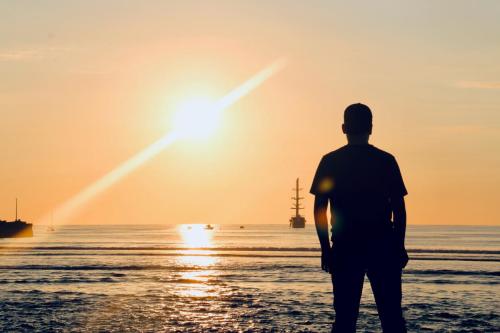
382, 153
335, 153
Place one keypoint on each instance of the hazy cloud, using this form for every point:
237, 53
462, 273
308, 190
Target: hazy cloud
29, 54
467, 129
478, 84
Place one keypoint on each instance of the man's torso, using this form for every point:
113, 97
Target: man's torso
359, 181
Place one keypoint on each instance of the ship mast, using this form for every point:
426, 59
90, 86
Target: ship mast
16, 210
296, 206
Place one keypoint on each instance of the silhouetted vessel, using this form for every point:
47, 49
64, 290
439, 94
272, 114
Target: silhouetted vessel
16, 228
209, 227
297, 221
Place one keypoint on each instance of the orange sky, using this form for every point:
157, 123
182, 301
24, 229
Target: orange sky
85, 85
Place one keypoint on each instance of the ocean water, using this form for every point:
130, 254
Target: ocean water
183, 278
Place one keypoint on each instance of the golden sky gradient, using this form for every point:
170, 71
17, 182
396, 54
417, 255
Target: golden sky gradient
84, 85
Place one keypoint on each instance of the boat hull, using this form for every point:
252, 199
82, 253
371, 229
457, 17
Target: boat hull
16, 229
298, 222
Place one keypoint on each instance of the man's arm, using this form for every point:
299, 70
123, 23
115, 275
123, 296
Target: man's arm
399, 216
321, 221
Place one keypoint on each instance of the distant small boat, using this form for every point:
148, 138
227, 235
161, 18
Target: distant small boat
190, 227
242, 227
51, 228
209, 227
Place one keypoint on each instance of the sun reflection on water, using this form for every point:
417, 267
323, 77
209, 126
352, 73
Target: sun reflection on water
196, 280
196, 235
203, 259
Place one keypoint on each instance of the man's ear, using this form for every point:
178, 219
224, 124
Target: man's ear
343, 128
370, 131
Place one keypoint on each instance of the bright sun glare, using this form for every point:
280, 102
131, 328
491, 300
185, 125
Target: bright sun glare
195, 236
197, 118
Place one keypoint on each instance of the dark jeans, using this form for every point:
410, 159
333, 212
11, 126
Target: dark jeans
385, 279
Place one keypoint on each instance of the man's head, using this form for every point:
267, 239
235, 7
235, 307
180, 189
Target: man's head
357, 121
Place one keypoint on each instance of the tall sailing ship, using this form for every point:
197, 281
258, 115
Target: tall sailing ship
297, 221
16, 228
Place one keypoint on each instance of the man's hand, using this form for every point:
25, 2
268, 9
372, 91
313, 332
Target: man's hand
399, 214
403, 258
326, 260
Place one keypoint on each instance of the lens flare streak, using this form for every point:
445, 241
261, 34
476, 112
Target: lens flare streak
77, 202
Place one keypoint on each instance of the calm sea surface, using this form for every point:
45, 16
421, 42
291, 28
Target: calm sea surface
182, 278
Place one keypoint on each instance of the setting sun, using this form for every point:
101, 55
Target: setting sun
197, 118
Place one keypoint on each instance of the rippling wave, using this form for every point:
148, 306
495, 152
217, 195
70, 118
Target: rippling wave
226, 248
419, 254
226, 268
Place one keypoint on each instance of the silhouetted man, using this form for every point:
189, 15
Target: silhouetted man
366, 193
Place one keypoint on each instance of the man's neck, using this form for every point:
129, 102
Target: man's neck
357, 140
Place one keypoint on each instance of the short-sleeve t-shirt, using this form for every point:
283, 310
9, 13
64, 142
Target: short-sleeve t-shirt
359, 181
